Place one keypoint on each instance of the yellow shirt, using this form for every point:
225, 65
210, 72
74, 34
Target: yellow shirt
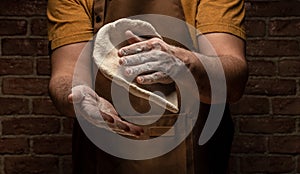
70, 21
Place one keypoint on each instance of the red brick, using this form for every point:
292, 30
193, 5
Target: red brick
289, 68
255, 28
251, 105
298, 87
298, 126
43, 66
271, 87
24, 47
25, 86
31, 165
68, 125
287, 27
14, 145
249, 144
273, 48
16, 66
30, 125
67, 165
13, 106
267, 125
298, 164
272, 8
26, 8
233, 164
39, 27
286, 106
10, 27
52, 145
261, 68
285, 144
272, 164
44, 106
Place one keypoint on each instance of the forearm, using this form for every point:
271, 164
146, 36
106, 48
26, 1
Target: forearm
60, 88
226, 69
68, 63
223, 67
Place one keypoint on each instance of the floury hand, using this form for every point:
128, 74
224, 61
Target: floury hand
153, 58
92, 108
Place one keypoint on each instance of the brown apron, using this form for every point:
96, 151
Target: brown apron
188, 157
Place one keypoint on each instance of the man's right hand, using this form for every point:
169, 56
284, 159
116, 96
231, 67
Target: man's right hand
92, 108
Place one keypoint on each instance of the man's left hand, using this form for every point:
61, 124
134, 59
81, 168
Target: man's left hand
152, 61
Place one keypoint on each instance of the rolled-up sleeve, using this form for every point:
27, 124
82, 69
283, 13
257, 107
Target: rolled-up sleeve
69, 21
225, 16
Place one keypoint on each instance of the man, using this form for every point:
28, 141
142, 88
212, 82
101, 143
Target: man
72, 24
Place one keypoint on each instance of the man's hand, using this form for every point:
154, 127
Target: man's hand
92, 108
153, 58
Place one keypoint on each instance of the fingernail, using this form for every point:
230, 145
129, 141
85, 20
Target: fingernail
139, 50
140, 79
121, 61
70, 98
123, 53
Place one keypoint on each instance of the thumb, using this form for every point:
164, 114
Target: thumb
132, 38
76, 96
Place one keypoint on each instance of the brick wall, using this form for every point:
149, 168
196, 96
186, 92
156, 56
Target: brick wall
267, 118
34, 138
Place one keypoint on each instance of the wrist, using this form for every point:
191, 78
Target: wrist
60, 89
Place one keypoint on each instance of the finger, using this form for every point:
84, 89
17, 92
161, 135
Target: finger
156, 77
122, 125
151, 44
70, 98
136, 59
136, 130
132, 38
122, 132
140, 69
135, 48
107, 107
92, 113
107, 117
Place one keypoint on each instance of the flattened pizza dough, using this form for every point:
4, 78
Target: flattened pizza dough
107, 41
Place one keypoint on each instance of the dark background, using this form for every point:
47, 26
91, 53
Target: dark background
35, 138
